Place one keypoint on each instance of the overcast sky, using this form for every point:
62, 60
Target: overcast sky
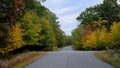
68, 10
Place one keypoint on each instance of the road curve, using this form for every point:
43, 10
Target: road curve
67, 58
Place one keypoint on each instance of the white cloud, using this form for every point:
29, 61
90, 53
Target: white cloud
68, 28
68, 19
53, 2
65, 10
68, 23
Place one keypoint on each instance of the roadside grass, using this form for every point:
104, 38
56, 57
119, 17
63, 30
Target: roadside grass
21, 60
112, 57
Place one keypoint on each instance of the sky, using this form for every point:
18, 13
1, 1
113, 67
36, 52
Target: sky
68, 10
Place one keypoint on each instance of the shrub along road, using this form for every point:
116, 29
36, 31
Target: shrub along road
67, 58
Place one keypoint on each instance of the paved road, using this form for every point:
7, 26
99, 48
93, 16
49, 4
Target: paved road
67, 58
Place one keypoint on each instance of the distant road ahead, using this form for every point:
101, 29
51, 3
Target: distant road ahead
67, 58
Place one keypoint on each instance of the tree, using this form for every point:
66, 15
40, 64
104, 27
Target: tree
31, 27
50, 16
47, 36
77, 35
10, 31
36, 6
108, 10
10, 11
88, 16
13, 39
115, 32
68, 40
60, 38
96, 39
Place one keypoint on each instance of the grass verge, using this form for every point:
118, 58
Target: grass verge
112, 57
21, 60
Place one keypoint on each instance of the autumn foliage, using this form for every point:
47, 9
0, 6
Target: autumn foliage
101, 27
115, 35
28, 25
11, 40
100, 38
10, 11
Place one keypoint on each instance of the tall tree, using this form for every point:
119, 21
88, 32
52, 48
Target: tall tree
10, 32
77, 35
47, 36
31, 28
108, 10
12, 39
10, 10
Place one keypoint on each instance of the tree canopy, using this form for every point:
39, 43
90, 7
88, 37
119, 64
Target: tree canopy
98, 29
108, 10
27, 23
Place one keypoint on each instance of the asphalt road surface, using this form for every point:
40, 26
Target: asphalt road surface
67, 58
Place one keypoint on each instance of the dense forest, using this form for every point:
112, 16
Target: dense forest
28, 25
99, 28
28, 29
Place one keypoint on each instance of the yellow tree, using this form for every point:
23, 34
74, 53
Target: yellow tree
104, 39
13, 39
91, 41
115, 34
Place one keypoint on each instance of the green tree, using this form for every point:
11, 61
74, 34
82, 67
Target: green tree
36, 6
47, 36
77, 35
88, 16
60, 38
108, 10
68, 40
31, 27
50, 16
